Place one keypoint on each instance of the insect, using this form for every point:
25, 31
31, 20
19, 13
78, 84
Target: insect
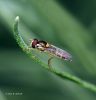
51, 49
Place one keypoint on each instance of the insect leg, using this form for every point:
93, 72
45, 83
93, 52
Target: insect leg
49, 62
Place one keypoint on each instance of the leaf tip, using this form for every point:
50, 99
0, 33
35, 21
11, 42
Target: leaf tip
17, 19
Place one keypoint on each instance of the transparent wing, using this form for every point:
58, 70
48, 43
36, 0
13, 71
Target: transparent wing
59, 52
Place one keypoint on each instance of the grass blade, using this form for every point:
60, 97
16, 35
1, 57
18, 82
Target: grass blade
63, 75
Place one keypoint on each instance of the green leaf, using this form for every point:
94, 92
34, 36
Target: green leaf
63, 75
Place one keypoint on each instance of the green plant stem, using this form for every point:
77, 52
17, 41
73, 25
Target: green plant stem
63, 75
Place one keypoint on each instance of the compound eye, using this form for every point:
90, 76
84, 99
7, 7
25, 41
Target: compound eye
34, 43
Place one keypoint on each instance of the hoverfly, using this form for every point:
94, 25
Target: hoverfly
51, 49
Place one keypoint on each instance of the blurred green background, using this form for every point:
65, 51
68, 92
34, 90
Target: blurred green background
68, 24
